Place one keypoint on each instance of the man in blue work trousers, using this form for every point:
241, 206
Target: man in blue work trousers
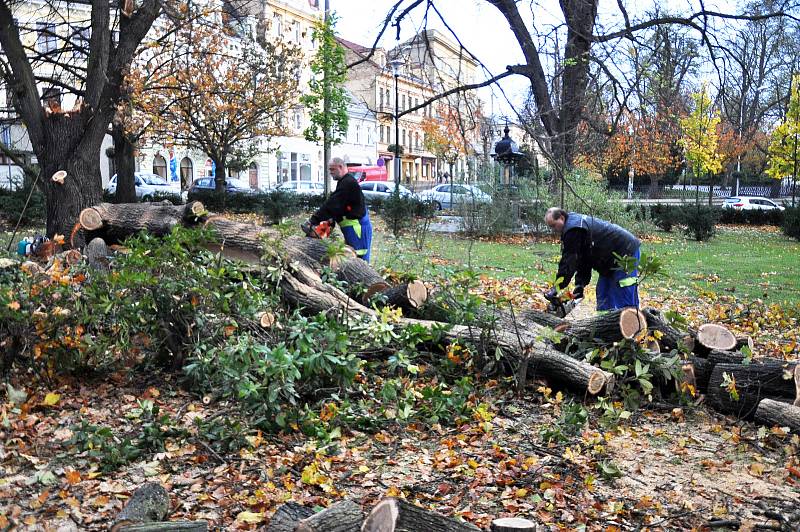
590, 243
346, 206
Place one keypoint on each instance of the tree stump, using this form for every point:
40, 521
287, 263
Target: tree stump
344, 516
715, 336
397, 515
776, 413
150, 502
96, 252
513, 524
407, 296
286, 518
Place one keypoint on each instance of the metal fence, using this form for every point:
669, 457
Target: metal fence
645, 191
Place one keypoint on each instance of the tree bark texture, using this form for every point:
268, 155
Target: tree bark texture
287, 517
167, 526
397, 515
149, 503
669, 337
115, 222
604, 329
344, 516
777, 413
754, 382
125, 165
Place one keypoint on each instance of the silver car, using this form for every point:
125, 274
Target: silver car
751, 203
148, 186
447, 196
381, 190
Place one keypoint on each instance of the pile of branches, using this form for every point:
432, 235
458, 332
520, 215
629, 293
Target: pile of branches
529, 344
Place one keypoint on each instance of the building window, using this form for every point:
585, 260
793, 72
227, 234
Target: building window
160, 165
46, 37
381, 93
298, 167
187, 172
403, 99
358, 134
388, 97
297, 37
297, 118
277, 25
80, 42
416, 140
416, 103
381, 133
369, 136
404, 138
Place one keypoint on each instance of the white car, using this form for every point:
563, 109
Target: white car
148, 186
381, 190
446, 196
751, 203
305, 188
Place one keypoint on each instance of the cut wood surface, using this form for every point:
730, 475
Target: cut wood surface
407, 296
776, 413
344, 516
397, 515
167, 526
715, 336
513, 524
608, 327
148, 503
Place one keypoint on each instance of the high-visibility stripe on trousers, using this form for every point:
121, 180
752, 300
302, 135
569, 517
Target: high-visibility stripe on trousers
358, 235
618, 289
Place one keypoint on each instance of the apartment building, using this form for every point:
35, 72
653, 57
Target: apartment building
372, 82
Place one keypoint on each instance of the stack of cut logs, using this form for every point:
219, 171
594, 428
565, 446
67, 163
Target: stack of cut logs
768, 389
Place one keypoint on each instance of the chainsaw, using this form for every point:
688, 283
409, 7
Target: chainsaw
321, 230
561, 307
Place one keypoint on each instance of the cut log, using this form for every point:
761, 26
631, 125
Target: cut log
356, 272
407, 296
753, 382
715, 336
287, 517
744, 341
97, 253
607, 328
167, 526
669, 337
114, 222
513, 524
397, 515
344, 516
149, 503
702, 369
542, 318
267, 320
577, 375
776, 413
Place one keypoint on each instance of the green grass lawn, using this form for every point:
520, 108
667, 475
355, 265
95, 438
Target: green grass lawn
750, 263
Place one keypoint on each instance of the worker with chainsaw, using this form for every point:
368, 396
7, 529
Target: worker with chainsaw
346, 206
589, 243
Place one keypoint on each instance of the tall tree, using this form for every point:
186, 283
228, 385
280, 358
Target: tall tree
700, 140
783, 147
223, 94
327, 100
87, 60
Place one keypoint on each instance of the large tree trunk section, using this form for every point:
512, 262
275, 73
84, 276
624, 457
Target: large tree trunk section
577, 375
776, 413
167, 526
513, 524
715, 336
115, 222
754, 382
344, 516
407, 296
607, 328
669, 337
150, 502
542, 318
125, 164
358, 274
397, 515
287, 517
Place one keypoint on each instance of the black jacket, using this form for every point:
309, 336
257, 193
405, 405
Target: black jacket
347, 201
590, 243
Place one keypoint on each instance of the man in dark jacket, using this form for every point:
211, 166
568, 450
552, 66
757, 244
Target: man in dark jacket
347, 207
591, 243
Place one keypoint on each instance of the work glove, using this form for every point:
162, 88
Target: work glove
577, 292
551, 294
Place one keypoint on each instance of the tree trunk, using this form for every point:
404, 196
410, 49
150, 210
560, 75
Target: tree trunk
67, 147
167, 526
125, 164
220, 175
287, 516
607, 328
397, 515
407, 296
115, 222
753, 383
669, 337
778, 413
344, 516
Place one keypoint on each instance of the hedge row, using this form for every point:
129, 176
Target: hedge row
700, 219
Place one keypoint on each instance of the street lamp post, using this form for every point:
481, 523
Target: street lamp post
396, 64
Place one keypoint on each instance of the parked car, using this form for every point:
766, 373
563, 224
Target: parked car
750, 203
148, 186
381, 190
305, 188
442, 195
207, 184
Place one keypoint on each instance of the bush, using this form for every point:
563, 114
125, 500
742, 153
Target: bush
700, 221
791, 222
279, 205
401, 212
666, 216
753, 217
12, 203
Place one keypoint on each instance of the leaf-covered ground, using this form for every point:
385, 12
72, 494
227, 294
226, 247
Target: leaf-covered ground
664, 468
